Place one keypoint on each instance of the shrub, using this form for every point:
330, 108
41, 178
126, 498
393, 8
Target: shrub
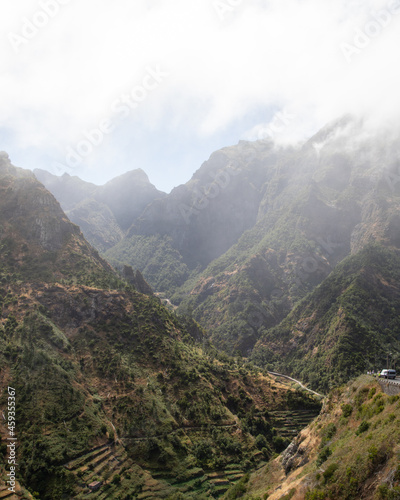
239, 489
363, 427
324, 455
280, 443
394, 493
330, 471
383, 491
116, 479
203, 450
315, 495
266, 452
261, 442
347, 410
330, 431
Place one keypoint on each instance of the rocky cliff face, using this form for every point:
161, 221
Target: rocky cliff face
35, 229
31, 209
206, 216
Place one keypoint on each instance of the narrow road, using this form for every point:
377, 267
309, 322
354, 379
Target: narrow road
297, 382
395, 381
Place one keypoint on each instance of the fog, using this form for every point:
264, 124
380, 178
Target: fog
96, 89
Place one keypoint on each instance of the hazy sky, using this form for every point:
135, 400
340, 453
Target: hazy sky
96, 88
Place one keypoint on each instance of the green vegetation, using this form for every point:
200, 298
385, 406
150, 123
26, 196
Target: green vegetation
108, 382
350, 320
346, 457
146, 254
98, 368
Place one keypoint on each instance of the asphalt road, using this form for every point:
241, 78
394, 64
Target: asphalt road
392, 380
298, 382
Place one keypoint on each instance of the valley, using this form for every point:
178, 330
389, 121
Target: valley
155, 340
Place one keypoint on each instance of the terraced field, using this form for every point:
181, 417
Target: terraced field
5, 493
113, 475
290, 423
20, 493
118, 477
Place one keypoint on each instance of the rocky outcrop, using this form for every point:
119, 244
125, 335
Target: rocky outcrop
136, 279
295, 455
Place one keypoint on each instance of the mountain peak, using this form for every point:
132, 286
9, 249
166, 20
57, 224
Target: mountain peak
136, 176
6, 167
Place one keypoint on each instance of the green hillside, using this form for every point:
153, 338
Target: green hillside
350, 324
110, 386
351, 451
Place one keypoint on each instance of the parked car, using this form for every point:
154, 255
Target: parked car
388, 374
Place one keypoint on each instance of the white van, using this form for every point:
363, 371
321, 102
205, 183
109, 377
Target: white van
388, 374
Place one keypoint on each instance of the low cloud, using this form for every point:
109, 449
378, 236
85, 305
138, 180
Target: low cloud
313, 60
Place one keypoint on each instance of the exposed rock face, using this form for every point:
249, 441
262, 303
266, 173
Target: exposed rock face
206, 216
27, 205
34, 227
295, 455
137, 280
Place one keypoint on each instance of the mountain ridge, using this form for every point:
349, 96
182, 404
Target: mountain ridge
102, 371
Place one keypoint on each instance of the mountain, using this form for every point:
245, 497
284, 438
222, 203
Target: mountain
349, 324
349, 452
69, 190
112, 390
179, 235
328, 200
38, 241
97, 223
259, 227
104, 213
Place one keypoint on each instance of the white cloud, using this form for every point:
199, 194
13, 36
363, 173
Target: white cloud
271, 54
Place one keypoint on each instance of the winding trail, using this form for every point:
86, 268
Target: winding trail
297, 382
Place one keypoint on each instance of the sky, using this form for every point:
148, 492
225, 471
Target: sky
95, 88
